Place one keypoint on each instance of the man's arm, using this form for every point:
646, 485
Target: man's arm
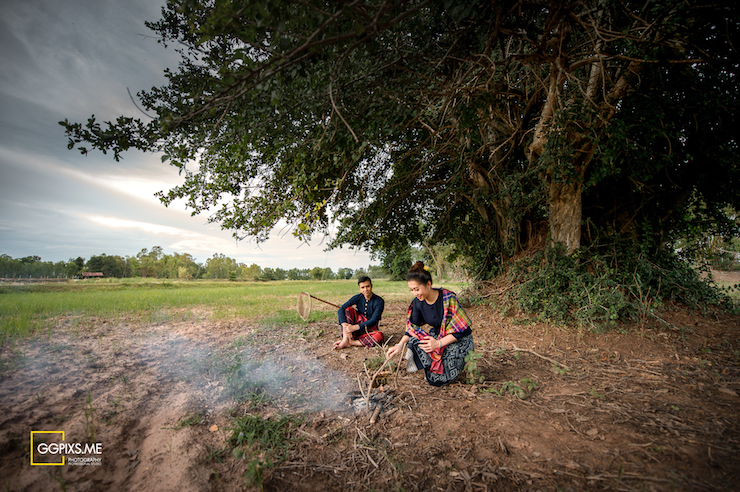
340, 312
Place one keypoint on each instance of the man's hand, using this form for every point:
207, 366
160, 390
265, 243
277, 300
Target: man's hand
348, 328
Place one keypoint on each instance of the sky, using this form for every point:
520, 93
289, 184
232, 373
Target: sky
72, 59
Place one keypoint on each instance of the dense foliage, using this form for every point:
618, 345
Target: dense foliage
491, 127
598, 286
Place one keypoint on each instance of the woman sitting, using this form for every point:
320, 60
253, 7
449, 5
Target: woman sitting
441, 351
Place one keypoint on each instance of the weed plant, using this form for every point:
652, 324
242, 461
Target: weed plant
91, 417
261, 442
189, 421
472, 370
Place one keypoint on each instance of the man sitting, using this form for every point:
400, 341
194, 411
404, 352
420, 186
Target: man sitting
359, 317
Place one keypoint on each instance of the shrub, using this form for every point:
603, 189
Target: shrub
595, 287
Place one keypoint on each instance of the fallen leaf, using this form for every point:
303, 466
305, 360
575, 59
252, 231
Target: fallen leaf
213, 428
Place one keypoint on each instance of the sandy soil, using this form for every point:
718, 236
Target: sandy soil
651, 407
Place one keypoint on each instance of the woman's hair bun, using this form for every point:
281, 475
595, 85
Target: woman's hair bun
419, 273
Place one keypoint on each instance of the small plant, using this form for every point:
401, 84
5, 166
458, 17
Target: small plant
531, 385
510, 387
91, 415
594, 392
263, 441
514, 389
189, 421
374, 363
472, 370
216, 454
60, 480
562, 371
254, 471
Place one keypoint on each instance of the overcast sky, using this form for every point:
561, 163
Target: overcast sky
71, 59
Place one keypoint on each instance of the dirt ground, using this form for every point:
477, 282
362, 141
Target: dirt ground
649, 408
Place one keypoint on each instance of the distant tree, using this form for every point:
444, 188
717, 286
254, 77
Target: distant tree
345, 273
299, 274
317, 273
219, 266
132, 267
110, 266
377, 271
75, 266
9, 267
398, 262
251, 272
59, 270
142, 259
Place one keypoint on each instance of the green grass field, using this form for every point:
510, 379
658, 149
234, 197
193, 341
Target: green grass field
30, 309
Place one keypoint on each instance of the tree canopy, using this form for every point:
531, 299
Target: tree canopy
493, 126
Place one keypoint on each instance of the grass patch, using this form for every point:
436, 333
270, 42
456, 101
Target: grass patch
261, 443
29, 309
189, 421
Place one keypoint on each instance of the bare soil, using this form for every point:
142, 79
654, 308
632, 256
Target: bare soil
651, 407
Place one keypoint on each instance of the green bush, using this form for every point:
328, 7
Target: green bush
595, 287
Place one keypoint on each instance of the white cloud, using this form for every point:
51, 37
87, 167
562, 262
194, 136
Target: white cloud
143, 226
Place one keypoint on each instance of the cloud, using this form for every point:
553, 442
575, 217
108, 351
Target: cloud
71, 59
143, 226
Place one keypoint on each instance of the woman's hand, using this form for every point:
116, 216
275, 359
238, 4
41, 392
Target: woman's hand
429, 344
393, 351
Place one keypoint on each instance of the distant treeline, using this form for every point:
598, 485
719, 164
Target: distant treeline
157, 264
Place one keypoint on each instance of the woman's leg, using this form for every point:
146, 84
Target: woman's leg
453, 361
421, 358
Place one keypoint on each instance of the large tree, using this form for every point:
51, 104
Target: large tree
492, 125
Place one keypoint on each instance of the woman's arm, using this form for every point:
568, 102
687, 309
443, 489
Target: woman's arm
397, 348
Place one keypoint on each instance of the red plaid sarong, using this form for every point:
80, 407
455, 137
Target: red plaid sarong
368, 336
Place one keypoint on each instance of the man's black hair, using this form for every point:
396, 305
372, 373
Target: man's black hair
364, 278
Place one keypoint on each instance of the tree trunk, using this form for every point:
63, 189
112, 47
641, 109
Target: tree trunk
565, 214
